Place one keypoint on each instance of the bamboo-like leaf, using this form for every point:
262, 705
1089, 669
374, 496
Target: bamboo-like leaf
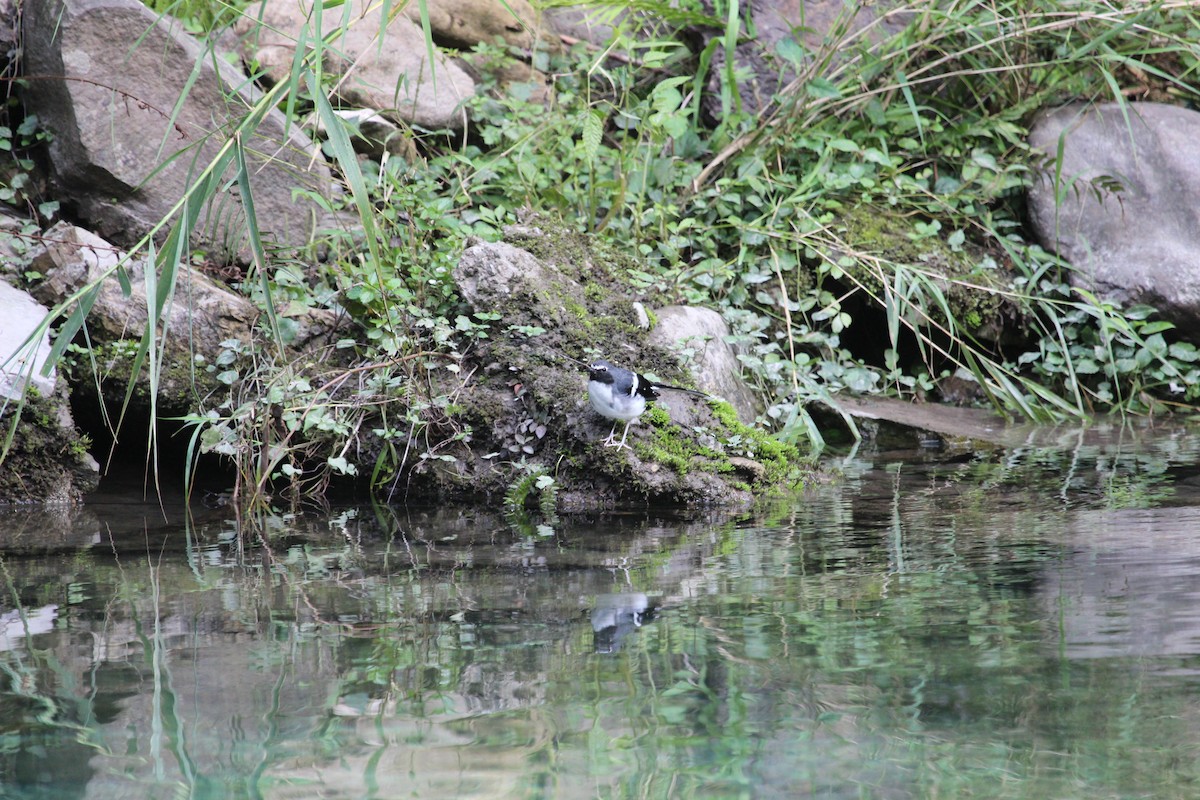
911, 101
891, 307
301, 58
70, 326
1072, 378
731, 99
1091, 44
150, 345
427, 30
254, 239
347, 161
799, 421
703, 62
123, 280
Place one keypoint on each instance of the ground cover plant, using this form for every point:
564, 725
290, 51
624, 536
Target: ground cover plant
862, 232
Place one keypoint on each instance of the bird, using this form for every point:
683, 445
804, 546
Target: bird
621, 395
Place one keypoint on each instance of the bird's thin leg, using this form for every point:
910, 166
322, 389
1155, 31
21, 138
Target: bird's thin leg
611, 441
623, 435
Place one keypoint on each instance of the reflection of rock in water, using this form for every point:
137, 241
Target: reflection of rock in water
615, 615
15, 625
45, 529
1129, 586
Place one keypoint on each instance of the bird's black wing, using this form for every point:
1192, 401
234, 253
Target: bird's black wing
645, 387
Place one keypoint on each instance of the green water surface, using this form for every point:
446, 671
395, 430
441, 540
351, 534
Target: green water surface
1019, 625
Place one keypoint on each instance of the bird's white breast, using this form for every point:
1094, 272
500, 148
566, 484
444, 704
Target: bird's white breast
615, 405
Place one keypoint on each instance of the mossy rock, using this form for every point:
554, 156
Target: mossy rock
524, 405
104, 375
48, 461
976, 283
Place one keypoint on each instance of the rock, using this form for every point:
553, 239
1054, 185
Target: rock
946, 423
202, 314
775, 21
598, 25
374, 134
9, 24
22, 359
562, 301
749, 467
74, 257
385, 69
699, 333
490, 274
582, 24
47, 461
465, 23
1128, 216
511, 76
106, 76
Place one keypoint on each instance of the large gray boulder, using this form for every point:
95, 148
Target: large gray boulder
383, 67
1123, 206
112, 82
22, 355
699, 334
466, 23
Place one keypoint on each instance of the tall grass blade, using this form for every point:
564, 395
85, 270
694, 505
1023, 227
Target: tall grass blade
254, 239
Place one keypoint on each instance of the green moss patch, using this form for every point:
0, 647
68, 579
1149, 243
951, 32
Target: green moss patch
976, 294
47, 462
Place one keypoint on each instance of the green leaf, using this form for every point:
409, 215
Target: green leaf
1183, 351
593, 131
791, 50
822, 89
1156, 327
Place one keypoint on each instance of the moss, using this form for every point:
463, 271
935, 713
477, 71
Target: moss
587, 260
46, 462
595, 292
483, 409
783, 462
957, 271
673, 447
179, 384
591, 304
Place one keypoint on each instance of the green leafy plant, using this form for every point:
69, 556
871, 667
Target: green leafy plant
531, 501
882, 188
861, 232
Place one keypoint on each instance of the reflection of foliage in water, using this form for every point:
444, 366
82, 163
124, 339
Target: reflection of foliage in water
897, 635
1118, 466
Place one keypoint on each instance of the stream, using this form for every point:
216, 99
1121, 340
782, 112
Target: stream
1016, 623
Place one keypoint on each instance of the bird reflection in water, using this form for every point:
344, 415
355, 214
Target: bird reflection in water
615, 616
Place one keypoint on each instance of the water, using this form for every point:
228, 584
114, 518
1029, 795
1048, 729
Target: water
1024, 624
